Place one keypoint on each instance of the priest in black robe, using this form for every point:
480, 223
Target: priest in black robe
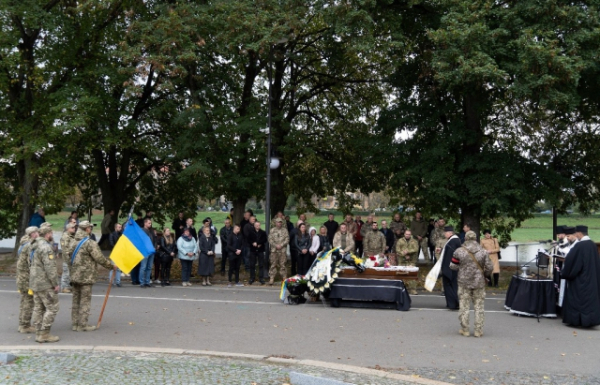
581, 270
449, 276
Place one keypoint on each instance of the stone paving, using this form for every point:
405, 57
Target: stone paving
96, 368
498, 378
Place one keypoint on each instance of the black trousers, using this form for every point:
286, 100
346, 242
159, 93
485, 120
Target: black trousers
165, 269
432, 254
451, 291
256, 256
294, 255
223, 257
359, 248
304, 261
235, 261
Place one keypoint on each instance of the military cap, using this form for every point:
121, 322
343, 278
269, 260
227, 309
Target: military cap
45, 230
84, 224
569, 230
470, 236
31, 229
278, 220
560, 229
581, 229
70, 225
487, 231
46, 224
448, 228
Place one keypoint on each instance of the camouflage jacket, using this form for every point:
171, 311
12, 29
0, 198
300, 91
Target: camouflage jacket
411, 247
84, 269
374, 243
395, 226
23, 265
67, 244
350, 227
469, 275
278, 237
438, 239
366, 228
43, 274
337, 241
419, 228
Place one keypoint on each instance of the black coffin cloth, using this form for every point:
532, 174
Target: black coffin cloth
371, 290
531, 297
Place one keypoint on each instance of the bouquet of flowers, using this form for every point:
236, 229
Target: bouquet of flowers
296, 286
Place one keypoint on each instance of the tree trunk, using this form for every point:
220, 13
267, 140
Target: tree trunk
239, 207
29, 185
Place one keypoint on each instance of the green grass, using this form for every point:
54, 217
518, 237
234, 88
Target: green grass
532, 230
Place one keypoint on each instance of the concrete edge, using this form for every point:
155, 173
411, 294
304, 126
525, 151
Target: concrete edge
273, 360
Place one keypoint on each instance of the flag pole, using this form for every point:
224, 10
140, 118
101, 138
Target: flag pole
112, 277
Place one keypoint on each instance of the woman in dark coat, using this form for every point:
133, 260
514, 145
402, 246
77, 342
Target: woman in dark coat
302, 243
206, 266
167, 250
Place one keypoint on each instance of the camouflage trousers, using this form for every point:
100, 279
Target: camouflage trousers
424, 246
26, 309
45, 308
278, 258
465, 298
65, 279
82, 304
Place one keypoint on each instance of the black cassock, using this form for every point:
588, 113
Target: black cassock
581, 269
449, 276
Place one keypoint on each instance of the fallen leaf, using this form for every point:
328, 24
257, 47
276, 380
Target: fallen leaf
275, 326
131, 323
485, 360
332, 341
562, 354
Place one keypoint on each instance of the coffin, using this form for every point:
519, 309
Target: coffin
394, 273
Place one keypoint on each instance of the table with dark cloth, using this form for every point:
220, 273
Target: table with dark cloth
531, 297
375, 291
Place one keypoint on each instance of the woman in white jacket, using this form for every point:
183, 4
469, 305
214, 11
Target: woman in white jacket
187, 248
314, 246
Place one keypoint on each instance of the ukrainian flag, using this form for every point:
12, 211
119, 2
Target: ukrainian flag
133, 246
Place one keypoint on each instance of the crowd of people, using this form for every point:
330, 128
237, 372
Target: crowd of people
466, 263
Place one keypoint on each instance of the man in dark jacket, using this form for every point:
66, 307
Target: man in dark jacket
256, 239
225, 233
178, 225
235, 243
246, 230
449, 276
332, 227
389, 237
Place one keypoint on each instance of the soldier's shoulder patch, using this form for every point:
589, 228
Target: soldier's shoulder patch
51, 256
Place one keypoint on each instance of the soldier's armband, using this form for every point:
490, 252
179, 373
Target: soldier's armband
455, 261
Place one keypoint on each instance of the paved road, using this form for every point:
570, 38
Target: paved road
252, 320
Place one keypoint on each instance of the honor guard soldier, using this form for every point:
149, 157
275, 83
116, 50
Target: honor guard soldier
23, 267
43, 282
84, 267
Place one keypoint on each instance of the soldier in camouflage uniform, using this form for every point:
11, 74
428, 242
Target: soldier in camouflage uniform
438, 239
397, 226
84, 269
407, 252
43, 281
278, 241
23, 266
473, 264
67, 245
374, 241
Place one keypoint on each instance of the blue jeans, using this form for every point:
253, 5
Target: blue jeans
117, 277
146, 269
135, 275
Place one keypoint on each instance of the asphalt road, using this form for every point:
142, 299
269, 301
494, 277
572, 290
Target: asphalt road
253, 320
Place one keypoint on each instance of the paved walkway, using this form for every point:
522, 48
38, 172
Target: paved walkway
101, 366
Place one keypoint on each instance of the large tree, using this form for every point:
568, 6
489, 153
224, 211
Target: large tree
471, 90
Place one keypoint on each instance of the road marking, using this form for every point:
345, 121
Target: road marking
233, 302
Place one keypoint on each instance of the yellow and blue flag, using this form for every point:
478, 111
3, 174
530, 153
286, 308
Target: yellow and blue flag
133, 246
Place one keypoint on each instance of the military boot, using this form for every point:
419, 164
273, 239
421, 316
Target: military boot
26, 329
45, 336
86, 328
478, 333
465, 333
271, 281
74, 327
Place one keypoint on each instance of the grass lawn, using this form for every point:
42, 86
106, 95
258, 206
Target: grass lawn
532, 230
